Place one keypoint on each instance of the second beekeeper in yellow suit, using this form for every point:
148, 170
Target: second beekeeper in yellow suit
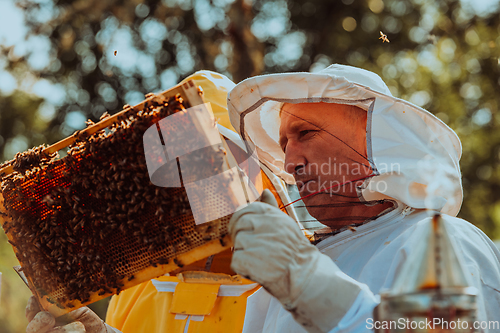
209, 302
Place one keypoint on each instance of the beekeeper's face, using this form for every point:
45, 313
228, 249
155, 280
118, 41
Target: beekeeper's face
325, 146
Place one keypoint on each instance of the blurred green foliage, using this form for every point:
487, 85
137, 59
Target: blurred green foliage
14, 292
443, 55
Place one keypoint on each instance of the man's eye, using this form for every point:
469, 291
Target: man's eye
306, 132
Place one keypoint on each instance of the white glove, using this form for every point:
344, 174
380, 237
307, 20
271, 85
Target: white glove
82, 320
270, 249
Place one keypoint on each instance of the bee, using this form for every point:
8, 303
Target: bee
384, 37
163, 261
104, 115
178, 263
79, 225
159, 211
353, 229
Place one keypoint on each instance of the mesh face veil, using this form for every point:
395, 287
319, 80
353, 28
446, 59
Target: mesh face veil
412, 157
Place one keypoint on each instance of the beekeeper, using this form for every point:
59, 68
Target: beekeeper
372, 168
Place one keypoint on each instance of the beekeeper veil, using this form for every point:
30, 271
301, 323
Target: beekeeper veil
414, 156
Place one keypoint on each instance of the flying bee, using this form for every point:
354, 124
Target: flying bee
384, 37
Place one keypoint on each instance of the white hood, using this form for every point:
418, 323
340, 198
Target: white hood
414, 154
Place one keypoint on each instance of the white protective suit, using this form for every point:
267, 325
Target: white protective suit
416, 161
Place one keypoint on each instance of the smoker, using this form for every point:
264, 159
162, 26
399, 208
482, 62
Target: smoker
431, 293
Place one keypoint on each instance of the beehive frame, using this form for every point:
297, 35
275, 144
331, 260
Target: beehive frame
189, 93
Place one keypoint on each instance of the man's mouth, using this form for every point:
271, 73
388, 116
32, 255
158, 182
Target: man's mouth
302, 186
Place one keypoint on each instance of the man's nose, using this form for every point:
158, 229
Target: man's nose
294, 160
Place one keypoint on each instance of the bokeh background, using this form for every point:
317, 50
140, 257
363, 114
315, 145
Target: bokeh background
58, 67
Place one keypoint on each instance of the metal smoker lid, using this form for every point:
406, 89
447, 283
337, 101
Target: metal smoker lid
433, 265
432, 273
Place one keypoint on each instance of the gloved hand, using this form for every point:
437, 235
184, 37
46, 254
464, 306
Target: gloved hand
270, 249
79, 321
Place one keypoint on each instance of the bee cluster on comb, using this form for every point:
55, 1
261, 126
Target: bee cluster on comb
85, 226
